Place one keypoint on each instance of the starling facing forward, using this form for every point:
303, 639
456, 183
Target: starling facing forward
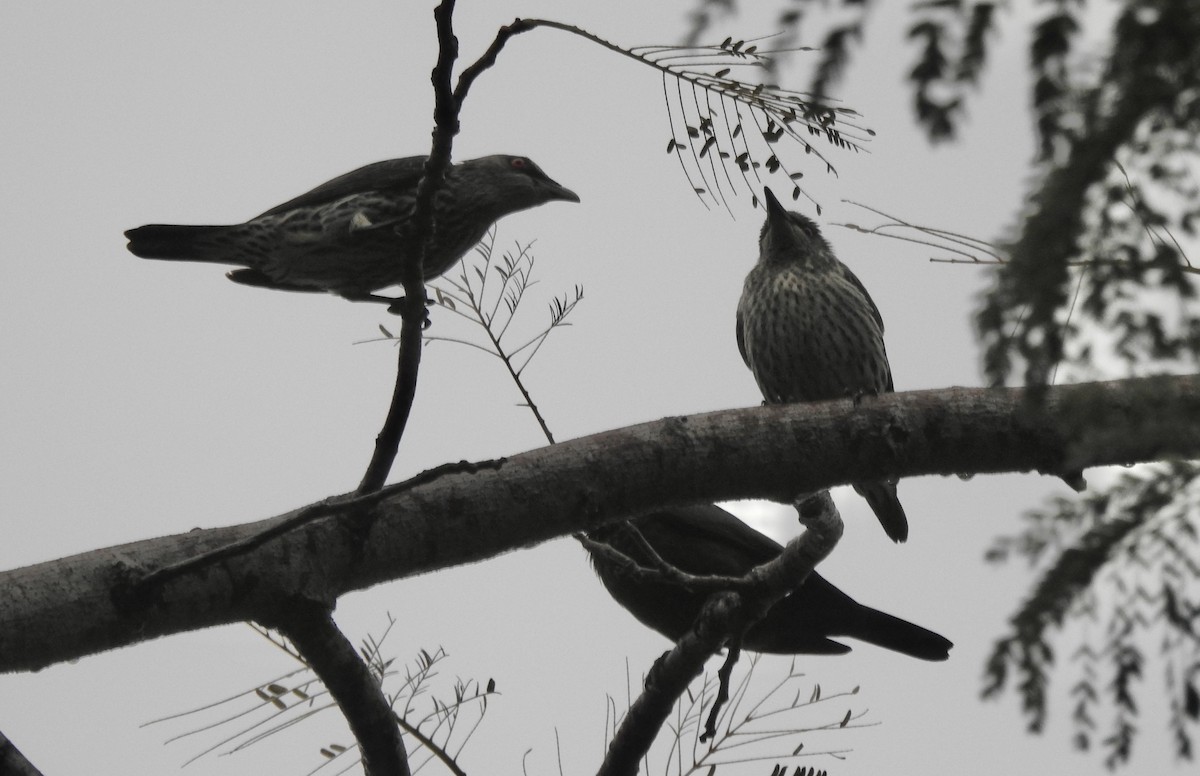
707, 540
809, 331
348, 235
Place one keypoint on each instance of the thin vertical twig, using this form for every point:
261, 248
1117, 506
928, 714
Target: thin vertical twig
412, 311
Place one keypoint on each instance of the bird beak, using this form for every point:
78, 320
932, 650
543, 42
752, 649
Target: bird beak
774, 209
561, 192
778, 225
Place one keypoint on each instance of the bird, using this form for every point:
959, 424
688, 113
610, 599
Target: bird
704, 539
349, 235
809, 331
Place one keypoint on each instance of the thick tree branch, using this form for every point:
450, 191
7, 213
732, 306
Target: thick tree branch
358, 692
12, 762
79, 605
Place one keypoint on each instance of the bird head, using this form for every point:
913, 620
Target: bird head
787, 236
515, 182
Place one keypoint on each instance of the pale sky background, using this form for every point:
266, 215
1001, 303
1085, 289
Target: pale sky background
148, 398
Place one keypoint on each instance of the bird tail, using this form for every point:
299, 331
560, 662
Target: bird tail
178, 243
886, 506
884, 630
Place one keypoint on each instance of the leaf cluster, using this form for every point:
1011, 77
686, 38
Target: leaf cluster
1118, 589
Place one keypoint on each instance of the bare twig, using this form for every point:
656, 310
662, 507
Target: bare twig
661, 569
941, 239
516, 273
428, 743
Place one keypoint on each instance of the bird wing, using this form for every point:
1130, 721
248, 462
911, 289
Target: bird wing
252, 277
854, 281
390, 174
741, 337
705, 539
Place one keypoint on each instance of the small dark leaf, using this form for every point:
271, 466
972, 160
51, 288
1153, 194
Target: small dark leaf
721, 73
846, 719
491, 686
796, 196
671, 146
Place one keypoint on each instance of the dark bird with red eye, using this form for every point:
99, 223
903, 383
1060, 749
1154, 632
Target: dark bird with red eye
349, 236
706, 540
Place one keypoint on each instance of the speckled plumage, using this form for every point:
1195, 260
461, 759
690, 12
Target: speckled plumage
809, 331
348, 234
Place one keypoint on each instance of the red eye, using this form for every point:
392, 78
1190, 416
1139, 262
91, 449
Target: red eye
519, 163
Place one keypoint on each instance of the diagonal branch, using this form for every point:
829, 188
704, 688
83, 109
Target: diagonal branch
412, 310
12, 762
726, 615
310, 627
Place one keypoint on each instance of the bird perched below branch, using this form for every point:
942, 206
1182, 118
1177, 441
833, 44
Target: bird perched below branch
707, 540
809, 331
349, 235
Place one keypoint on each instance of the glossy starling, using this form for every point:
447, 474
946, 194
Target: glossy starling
348, 235
808, 330
706, 539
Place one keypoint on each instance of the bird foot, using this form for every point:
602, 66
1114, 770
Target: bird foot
395, 304
397, 308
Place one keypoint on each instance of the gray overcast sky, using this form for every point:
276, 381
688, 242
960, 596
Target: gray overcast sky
148, 398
